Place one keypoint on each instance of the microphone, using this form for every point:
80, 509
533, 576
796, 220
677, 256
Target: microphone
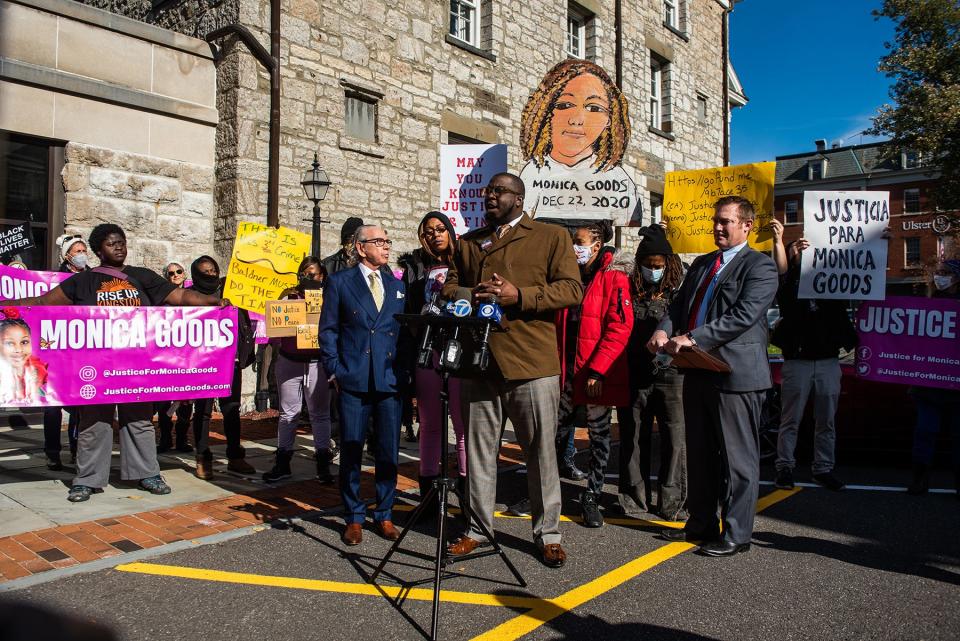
430, 308
490, 311
426, 340
459, 308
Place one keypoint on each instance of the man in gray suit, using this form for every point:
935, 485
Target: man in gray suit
721, 308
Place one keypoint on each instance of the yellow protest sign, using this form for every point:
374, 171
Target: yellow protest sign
689, 197
308, 336
314, 298
264, 263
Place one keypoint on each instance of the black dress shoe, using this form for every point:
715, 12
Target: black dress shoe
681, 535
723, 548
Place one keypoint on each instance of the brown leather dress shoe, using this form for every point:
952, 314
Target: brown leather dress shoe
464, 545
204, 469
387, 530
553, 555
353, 535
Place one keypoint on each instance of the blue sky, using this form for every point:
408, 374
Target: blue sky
810, 71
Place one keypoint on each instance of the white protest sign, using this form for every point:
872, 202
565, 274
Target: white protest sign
847, 257
464, 171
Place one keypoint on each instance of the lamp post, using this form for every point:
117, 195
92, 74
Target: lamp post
315, 185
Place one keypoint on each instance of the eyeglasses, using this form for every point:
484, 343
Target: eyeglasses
175, 272
378, 242
430, 232
499, 190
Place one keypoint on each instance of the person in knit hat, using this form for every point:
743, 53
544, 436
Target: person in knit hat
337, 261
656, 392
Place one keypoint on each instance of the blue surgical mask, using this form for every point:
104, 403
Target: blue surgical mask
79, 261
583, 254
651, 275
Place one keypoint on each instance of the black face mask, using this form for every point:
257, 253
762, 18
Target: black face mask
309, 283
206, 284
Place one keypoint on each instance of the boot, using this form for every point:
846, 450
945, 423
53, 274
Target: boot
281, 468
324, 459
590, 504
921, 479
204, 469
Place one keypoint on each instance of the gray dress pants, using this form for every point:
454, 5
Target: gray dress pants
138, 444
531, 406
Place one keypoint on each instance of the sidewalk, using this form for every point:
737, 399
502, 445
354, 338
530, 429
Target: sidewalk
41, 531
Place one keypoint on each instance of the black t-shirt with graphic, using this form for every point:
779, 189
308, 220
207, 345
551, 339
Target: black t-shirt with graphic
142, 287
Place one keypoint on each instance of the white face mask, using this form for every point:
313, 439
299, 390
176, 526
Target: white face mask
79, 261
942, 282
583, 254
652, 275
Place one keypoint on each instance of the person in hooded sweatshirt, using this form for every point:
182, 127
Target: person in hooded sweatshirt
205, 273
425, 272
592, 338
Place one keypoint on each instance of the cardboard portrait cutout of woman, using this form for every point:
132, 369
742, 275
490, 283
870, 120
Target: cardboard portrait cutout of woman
573, 133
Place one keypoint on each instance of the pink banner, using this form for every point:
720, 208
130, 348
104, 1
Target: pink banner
61, 356
22, 283
912, 341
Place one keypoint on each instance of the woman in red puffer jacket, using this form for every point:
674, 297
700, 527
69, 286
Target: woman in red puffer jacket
592, 338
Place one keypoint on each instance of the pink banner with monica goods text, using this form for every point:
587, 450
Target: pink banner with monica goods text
913, 341
22, 283
62, 356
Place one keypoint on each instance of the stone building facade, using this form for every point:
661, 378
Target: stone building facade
105, 119
426, 86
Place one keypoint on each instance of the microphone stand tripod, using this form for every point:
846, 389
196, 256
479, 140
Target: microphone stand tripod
443, 486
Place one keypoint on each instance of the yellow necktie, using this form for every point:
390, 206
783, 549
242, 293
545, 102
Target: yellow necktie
376, 289
502, 230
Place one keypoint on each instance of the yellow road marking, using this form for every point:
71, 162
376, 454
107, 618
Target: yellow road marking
564, 518
538, 611
529, 621
342, 587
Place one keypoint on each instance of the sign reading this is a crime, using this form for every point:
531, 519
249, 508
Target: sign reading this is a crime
847, 257
689, 197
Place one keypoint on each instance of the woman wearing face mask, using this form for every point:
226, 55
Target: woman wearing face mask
425, 271
73, 255
300, 375
936, 406
656, 391
592, 339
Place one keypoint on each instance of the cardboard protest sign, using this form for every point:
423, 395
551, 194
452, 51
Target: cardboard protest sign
308, 336
21, 283
464, 171
574, 132
264, 263
689, 197
16, 238
80, 355
284, 316
911, 341
847, 257
314, 300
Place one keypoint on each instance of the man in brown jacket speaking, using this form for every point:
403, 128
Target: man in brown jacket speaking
530, 269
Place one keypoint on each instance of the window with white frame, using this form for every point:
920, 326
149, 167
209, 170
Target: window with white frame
911, 251
912, 160
911, 201
576, 32
815, 170
791, 212
671, 13
465, 21
660, 110
656, 207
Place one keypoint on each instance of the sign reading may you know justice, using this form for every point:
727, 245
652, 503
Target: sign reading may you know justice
264, 263
847, 257
464, 171
689, 197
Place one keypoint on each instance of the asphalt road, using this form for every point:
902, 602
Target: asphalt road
859, 564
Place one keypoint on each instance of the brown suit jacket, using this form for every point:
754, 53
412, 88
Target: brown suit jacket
538, 259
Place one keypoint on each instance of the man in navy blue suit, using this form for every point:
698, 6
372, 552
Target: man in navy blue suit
358, 342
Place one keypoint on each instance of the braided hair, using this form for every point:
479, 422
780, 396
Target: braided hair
672, 277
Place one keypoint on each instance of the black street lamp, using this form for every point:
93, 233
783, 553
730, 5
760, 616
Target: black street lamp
315, 185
